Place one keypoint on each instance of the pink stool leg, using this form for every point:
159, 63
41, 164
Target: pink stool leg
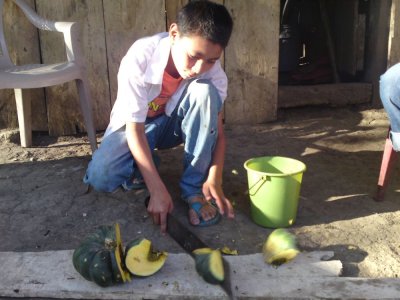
388, 159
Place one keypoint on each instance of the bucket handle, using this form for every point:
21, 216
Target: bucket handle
264, 178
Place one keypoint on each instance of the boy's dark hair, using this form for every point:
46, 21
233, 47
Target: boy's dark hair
207, 19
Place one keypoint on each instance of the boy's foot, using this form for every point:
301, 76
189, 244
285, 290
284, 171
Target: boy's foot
203, 212
137, 182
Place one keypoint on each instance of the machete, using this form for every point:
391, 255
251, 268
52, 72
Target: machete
190, 242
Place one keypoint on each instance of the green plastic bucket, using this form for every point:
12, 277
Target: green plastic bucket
274, 189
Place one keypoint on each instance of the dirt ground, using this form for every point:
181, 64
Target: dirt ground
44, 204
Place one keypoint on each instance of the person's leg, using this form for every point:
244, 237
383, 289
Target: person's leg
390, 97
197, 115
113, 165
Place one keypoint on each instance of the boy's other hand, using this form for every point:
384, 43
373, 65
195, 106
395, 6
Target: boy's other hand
214, 191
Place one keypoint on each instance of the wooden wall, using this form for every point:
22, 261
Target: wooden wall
394, 35
251, 61
109, 27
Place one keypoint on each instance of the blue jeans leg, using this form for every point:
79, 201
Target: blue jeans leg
197, 114
390, 97
113, 165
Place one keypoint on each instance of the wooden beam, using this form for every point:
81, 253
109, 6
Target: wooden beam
339, 94
394, 35
377, 45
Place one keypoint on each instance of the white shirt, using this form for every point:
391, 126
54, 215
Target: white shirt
140, 80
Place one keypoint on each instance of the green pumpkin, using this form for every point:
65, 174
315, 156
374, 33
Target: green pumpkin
98, 258
209, 265
280, 247
141, 259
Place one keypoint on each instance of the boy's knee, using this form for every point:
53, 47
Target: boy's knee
98, 176
390, 79
204, 92
386, 80
202, 88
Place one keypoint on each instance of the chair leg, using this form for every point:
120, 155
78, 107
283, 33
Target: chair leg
388, 159
86, 108
24, 118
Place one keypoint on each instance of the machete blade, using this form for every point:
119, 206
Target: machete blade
190, 242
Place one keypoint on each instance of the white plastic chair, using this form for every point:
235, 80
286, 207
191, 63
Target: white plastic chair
43, 75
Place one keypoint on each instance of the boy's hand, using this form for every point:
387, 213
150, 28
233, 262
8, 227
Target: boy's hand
214, 191
160, 205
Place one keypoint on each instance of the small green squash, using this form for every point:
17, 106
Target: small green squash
209, 265
98, 258
141, 259
280, 247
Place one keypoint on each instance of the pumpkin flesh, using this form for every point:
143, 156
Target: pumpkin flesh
142, 260
280, 247
119, 269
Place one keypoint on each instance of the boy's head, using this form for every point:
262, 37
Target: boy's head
198, 38
206, 19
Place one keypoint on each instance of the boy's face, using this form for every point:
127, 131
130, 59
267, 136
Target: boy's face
192, 55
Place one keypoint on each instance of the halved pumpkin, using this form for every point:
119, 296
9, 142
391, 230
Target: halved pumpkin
280, 247
141, 259
209, 265
96, 260
116, 258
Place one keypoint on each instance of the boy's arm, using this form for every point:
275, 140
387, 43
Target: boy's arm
212, 188
160, 200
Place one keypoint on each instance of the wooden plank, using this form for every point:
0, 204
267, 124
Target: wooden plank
23, 46
361, 36
125, 22
376, 52
51, 274
329, 39
171, 8
62, 101
339, 94
394, 35
251, 62
345, 35
222, 58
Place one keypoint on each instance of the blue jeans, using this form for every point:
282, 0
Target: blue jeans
194, 122
390, 97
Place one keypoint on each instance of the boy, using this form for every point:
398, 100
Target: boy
171, 88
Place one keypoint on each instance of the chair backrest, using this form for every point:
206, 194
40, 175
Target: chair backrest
5, 60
